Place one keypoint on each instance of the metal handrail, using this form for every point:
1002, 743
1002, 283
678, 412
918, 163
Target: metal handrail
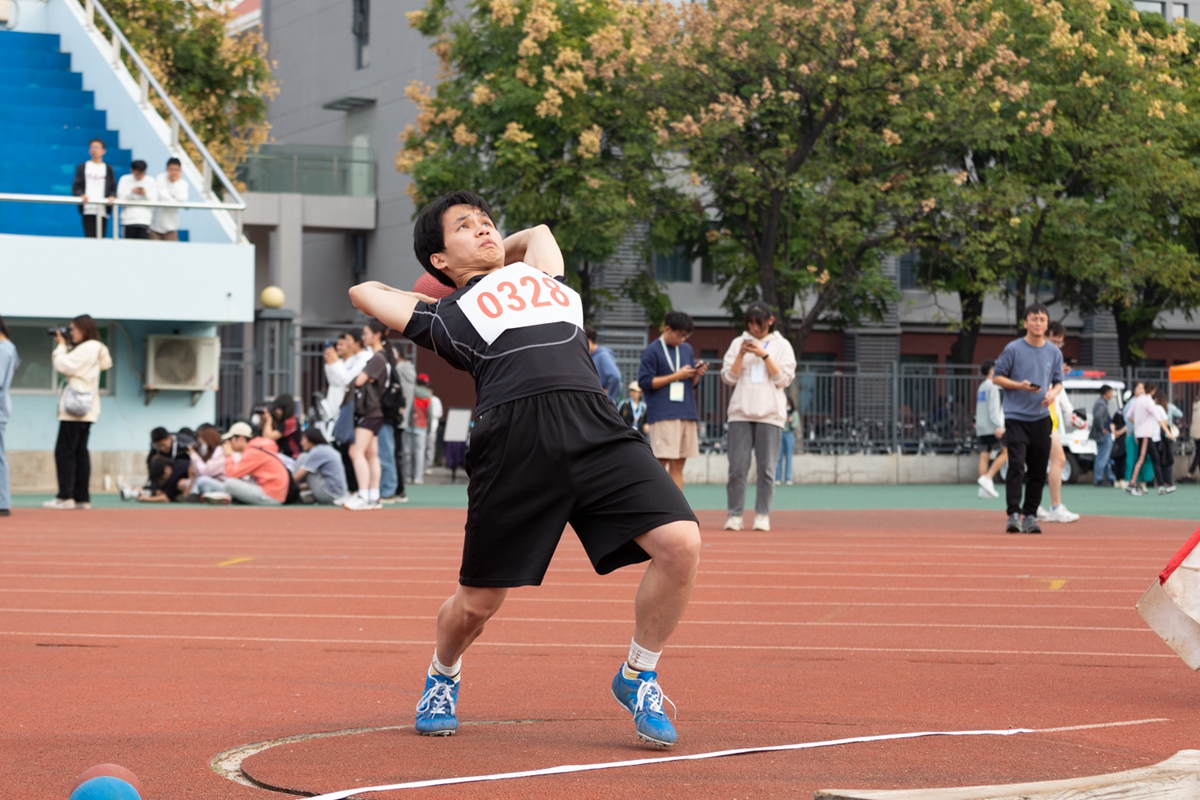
59, 199
89, 8
11, 197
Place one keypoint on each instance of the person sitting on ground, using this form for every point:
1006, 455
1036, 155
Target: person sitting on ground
320, 467
207, 459
166, 482
260, 461
136, 219
172, 445
284, 429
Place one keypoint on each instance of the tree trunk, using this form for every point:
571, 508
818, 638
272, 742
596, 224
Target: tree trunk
971, 308
1022, 294
585, 291
1124, 335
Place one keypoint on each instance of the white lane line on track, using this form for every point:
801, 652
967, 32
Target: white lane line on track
223, 578
559, 620
639, 762
256, 565
605, 646
528, 598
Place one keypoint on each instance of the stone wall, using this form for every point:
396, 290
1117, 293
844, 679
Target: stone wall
33, 470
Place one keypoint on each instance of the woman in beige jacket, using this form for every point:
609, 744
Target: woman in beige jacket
759, 365
81, 364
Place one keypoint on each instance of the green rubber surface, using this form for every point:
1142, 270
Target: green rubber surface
1080, 498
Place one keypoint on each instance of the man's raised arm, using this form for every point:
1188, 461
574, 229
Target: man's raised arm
537, 248
392, 307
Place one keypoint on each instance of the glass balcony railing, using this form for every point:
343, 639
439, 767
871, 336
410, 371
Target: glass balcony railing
310, 169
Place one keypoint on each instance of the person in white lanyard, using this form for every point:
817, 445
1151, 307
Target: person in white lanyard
759, 365
670, 388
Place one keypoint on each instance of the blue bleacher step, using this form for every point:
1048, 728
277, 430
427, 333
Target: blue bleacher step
59, 116
14, 98
26, 77
34, 59
15, 134
29, 41
68, 153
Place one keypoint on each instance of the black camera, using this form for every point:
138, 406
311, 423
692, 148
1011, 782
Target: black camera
257, 413
54, 331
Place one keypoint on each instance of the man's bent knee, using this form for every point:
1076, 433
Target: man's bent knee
478, 604
674, 546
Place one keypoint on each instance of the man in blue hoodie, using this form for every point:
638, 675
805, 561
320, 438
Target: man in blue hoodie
606, 365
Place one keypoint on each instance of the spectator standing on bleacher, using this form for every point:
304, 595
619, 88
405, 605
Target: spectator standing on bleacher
172, 188
759, 365
668, 378
8, 367
605, 363
136, 186
96, 183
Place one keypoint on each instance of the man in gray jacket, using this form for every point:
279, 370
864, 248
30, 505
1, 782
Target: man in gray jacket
989, 427
1101, 434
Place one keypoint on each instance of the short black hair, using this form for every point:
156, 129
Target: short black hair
137, 166
428, 236
97, 139
757, 312
160, 468
355, 334
986, 367
678, 321
1055, 328
1105, 389
158, 434
314, 436
591, 333
1036, 308
175, 161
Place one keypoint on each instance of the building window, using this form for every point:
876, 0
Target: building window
908, 269
1151, 8
673, 267
1179, 11
35, 374
708, 273
362, 33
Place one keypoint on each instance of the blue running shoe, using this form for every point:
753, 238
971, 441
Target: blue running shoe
436, 712
643, 698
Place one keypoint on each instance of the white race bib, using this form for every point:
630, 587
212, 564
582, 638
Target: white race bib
519, 296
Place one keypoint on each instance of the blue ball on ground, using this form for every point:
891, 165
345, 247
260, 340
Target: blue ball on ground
105, 787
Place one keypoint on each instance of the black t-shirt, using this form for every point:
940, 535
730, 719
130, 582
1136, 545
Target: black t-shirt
520, 362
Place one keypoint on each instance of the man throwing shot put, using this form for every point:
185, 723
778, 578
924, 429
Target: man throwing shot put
548, 448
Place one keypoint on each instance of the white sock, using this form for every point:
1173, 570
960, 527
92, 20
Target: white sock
640, 659
441, 669
373, 495
364, 495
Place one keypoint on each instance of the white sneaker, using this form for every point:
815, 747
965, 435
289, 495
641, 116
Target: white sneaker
1170, 488
1043, 515
762, 522
1120, 484
733, 524
987, 485
1062, 514
56, 503
788, 482
356, 503
217, 498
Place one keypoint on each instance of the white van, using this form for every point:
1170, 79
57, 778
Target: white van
1081, 450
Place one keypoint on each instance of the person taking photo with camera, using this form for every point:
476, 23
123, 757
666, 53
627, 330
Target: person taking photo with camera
80, 357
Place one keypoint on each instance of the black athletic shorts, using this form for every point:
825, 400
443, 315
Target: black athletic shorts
989, 441
541, 462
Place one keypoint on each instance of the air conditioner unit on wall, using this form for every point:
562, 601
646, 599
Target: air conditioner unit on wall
8, 14
182, 363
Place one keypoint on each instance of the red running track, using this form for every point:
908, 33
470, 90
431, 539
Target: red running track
158, 638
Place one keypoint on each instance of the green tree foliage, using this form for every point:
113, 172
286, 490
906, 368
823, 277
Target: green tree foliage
542, 112
813, 132
221, 82
1100, 208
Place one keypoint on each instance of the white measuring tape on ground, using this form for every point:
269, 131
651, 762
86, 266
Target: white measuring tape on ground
568, 768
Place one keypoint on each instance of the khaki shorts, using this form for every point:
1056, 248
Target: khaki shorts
671, 439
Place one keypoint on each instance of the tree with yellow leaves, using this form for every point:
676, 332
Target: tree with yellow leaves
540, 110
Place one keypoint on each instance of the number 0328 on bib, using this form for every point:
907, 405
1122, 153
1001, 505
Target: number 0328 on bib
519, 296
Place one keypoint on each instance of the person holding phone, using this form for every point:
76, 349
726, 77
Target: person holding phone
668, 376
1030, 373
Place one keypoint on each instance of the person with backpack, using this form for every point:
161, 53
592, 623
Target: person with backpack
393, 401
369, 387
